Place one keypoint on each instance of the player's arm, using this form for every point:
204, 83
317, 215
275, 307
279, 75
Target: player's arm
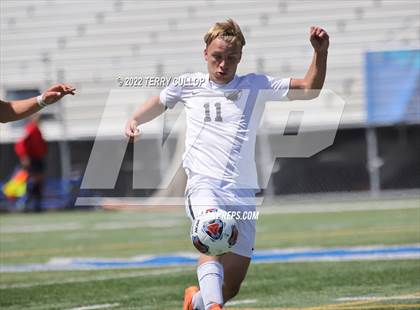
148, 111
15, 110
310, 86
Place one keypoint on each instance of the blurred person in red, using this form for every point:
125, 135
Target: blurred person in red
31, 150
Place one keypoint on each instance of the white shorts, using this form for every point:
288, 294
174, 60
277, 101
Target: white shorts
200, 199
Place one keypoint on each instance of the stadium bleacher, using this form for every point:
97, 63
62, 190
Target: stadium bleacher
91, 45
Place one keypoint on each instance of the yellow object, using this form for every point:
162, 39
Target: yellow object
16, 186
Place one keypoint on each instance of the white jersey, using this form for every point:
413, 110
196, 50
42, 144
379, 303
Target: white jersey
222, 123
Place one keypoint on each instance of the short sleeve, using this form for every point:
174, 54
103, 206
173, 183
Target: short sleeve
170, 95
280, 88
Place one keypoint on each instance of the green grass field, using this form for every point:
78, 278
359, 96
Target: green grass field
30, 238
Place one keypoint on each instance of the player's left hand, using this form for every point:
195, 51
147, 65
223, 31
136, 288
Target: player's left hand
319, 39
56, 92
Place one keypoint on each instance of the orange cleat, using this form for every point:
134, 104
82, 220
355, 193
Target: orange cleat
188, 296
215, 307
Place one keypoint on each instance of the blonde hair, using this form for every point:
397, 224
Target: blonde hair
229, 31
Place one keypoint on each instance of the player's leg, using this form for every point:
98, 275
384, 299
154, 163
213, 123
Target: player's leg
235, 268
220, 278
236, 262
231, 267
209, 294
210, 274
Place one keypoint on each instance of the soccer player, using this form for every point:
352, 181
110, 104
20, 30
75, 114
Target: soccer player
15, 110
223, 115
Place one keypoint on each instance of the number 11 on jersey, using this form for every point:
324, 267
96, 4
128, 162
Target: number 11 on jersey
218, 117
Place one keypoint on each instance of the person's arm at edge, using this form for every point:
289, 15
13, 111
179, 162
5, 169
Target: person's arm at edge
16, 110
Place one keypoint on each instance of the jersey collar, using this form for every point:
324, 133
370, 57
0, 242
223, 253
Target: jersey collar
230, 85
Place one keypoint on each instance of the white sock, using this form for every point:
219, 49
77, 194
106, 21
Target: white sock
210, 277
197, 301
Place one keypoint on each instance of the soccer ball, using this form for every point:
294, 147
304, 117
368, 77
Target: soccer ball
214, 232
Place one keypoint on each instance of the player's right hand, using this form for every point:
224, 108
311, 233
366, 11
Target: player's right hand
131, 130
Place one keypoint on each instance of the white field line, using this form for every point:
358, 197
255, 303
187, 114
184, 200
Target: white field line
140, 204
148, 202
93, 307
378, 298
329, 209
139, 224
115, 225
241, 302
100, 278
40, 228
